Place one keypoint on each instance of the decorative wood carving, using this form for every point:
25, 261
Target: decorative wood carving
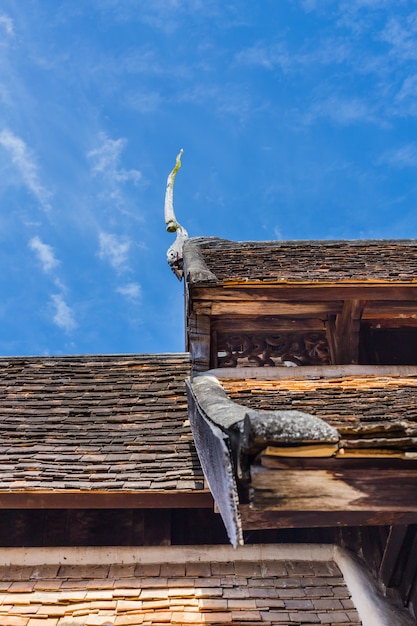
258, 350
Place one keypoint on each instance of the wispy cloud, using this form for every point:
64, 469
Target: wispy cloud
45, 254
401, 34
114, 249
24, 161
144, 102
343, 111
132, 291
62, 314
406, 156
106, 161
6, 25
268, 56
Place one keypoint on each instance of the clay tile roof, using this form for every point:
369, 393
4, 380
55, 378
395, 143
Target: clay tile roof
312, 261
96, 423
377, 412
217, 593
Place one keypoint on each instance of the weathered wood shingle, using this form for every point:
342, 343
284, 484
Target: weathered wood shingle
368, 412
310, 261
96, 423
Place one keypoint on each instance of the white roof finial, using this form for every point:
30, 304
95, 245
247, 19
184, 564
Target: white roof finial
174, 254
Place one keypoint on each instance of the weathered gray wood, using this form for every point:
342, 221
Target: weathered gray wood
318, 371
214, 451
195, 267
198, 342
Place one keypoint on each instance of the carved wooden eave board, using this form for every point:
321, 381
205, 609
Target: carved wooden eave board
228, 435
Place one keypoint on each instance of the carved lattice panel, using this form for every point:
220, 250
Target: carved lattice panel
266, 349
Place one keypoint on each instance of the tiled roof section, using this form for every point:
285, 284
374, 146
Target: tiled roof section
368, 412
279, 592
312, 261
96, 423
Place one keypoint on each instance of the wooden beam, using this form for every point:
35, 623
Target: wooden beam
270, 324
105, 500
198, 342
344, 333
383, 309
391, 552
410, 572
380, 490
336, 464
255, 519
261, 307
317, 292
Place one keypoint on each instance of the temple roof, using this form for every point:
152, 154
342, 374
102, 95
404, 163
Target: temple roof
159, 586
96, 423
308, 261
373, 411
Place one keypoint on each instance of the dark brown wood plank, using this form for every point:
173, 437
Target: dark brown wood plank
346, 333
255, 519
317, 292
334, 464
104, 500
339, 490
410, 571
266, 324
157, 530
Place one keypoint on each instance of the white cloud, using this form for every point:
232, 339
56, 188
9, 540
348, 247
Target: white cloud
401, 34
114, 248
45, 254
132, 291
6, 25
25, 163
145, 102
406, 156
266, 56
106, 158
343, 111
63, 315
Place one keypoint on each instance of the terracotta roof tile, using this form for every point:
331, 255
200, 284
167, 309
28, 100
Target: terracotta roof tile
134, 600
96, 423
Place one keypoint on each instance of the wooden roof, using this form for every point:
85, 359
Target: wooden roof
310, 261
369, 412
96, 424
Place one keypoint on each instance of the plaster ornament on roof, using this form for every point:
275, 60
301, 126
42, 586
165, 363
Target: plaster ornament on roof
175, 252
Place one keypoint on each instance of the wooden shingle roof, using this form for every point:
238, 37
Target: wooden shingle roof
368, 411
310, 261
96, 424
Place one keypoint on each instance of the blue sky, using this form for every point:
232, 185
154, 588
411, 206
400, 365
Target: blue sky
298, 120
